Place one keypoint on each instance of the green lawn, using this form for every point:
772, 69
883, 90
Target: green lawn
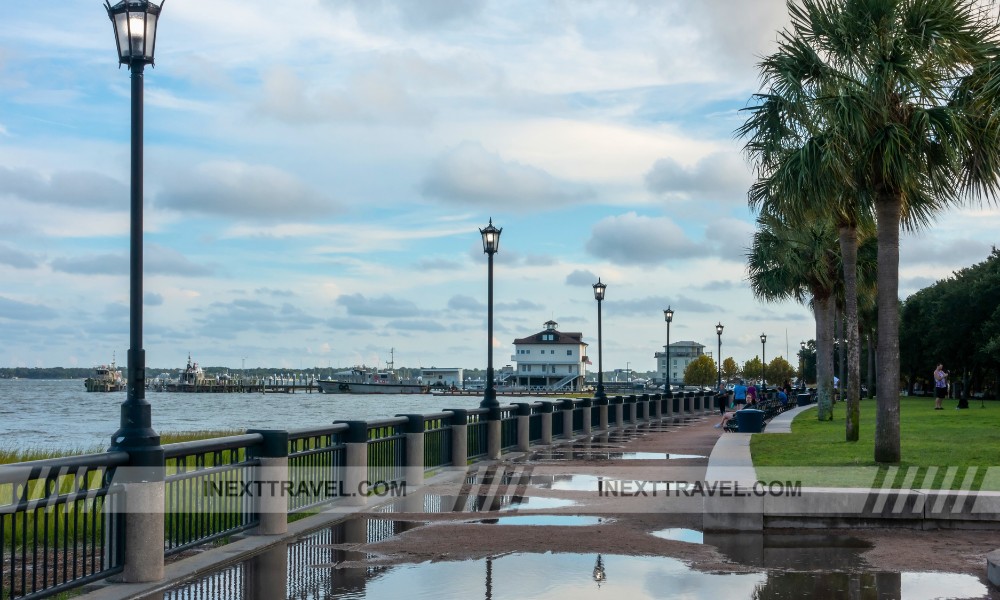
949, 448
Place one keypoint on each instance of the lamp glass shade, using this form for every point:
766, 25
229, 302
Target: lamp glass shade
599, 290
135, 29
719, 328
491, 238
763, 339
668, 315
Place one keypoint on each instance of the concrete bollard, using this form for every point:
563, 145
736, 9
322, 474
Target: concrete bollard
493, 430
585, 408
356, 463
602, 413
523, 426
667, 402
459, 437
619, 404
144, 502
413, 473
546, 410
272, 508
657, 405
267, 576
567, 406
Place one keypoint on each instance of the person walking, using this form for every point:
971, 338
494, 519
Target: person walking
940, 386
739, 394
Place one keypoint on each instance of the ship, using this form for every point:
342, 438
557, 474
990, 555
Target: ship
106, 378
368, 380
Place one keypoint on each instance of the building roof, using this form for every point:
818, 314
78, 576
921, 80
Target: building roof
574, 338
687, 344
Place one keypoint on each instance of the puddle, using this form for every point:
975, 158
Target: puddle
605, 455
538, 503
567, 483
558, 520
681, 535
314, 576
791, 551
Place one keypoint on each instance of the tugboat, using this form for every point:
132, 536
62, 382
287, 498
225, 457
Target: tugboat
106, 378
367, 380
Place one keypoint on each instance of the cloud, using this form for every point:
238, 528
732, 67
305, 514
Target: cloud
152, 299
518, 305
158, 260
729, 239
241, 191
437, 264
83, 189
945, 252
22, 311
348, 324
466, 304
581, 277
718, 286
470, 175
720, 175
423, 15
386, 306
16, 259
416, 325
277, 293
252, 315
634, 239
654, 305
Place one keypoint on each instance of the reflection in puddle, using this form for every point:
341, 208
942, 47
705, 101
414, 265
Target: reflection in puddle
559, 520
537, 503
598, 454
550, 575
681, 535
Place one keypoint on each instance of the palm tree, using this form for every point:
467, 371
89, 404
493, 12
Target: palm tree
891, 106
800, 261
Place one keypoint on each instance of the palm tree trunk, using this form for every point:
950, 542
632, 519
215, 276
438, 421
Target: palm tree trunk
887, 446
824, 307
871, 365
852, 387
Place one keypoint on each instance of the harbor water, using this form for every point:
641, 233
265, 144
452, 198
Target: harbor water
61, 415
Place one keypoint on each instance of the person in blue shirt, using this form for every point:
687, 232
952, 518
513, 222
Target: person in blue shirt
739, 394
782, 397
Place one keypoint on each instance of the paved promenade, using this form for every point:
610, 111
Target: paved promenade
643, 490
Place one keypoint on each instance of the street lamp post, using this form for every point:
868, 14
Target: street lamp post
668, 316
599, 296
134, 24
763, 363
718, 331
802, 364
491, 244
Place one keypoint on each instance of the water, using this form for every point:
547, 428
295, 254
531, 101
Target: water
60, 414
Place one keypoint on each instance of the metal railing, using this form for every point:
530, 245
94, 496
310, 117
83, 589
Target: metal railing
203, 491
60, 524
508, 427
315, 454
476, 433
437, 440
386, 449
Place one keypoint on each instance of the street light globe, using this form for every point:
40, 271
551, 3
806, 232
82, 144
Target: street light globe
491, 238
599, 290
135, 29
719, 328
763, 339
668, 315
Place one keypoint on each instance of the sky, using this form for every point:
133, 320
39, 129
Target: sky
317, 171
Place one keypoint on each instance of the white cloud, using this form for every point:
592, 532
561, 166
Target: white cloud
635, 239
470, 174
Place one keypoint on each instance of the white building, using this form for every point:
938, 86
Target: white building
443, 378
551, 359
681, 355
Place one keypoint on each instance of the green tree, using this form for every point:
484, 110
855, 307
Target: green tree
729, 369
752, 369
700, 371
778, 370
903, 115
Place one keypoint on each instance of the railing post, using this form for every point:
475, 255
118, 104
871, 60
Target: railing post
493, 431
414, 471
268, 574
696, 402
144, 499
688, 398
566, 405
272, 507
619, 403
644, 401
585, 406
602, 413
459, 437
523, 426
657, 406
546, 410
356, 462
630, 399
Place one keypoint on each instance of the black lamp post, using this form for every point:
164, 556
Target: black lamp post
491, 244
802, 364
599, 296
763, 363
718, 331
134, 23
668, 316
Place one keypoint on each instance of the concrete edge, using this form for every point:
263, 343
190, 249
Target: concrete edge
783, 422
993, 568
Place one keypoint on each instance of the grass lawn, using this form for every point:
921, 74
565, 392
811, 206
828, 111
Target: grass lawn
952, 449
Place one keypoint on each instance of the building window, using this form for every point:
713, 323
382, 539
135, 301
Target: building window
569, 353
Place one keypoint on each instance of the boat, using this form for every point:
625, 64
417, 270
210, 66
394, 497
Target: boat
365, 380
368, 380
106, 378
